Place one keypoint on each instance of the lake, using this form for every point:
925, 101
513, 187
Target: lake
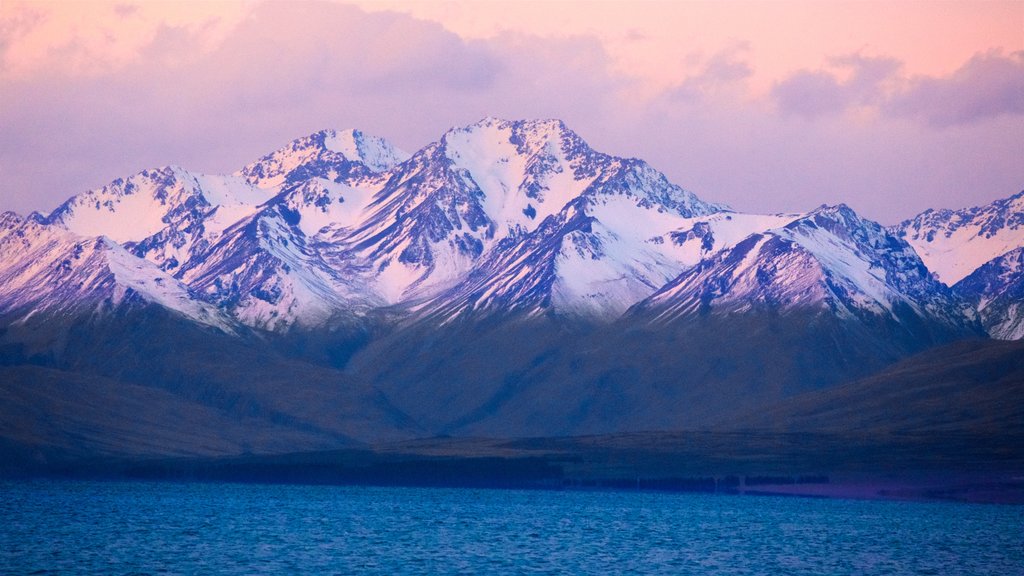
52, 526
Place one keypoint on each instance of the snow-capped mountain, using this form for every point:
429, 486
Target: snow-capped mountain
829, 260
48, 270
482, 192
996, 289
954, 243
336, 224
232, 237
163, 215
507, 216
977, 252
510, 215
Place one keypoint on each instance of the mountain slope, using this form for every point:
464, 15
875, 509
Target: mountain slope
996, 289
546, 375
504, 280
498, 216
830, 261
48, 414
240, 377
339, 223
46, 270
270, 275
968, 387
822, 299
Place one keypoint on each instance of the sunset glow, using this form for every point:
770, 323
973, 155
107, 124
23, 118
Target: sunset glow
764, 105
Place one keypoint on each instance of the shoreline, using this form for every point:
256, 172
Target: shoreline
1000, 488
953, 467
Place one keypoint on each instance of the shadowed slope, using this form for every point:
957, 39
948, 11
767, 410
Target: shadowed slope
972, 387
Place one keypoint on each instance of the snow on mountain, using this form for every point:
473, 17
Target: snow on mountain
267, 273
529, 170
453, 201
828, 260
316, 227
44, 268
463, 206
954, 243
320, 204
162, 214
268, 268
997, 290
598, 256
131, 208
338, 156
233, 238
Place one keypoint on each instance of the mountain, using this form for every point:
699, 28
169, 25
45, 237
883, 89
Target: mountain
499, 216
977, 251
232, 238
954, 243
337, 156
51, 414
818, 300
143, 380
829, 261
486, 196
996, 289
336, 224
48, 271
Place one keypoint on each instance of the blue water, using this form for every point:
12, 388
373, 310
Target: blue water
156, 527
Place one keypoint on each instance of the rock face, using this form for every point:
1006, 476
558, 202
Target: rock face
506, 279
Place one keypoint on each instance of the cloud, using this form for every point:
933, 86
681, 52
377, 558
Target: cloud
810, 94
15, 24
285, 70
987, 86
288, 69
634, 35
126, 10
722, 71
815, 93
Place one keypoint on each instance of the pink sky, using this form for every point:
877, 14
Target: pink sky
891, 107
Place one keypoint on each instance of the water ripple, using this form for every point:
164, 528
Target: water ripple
53, 527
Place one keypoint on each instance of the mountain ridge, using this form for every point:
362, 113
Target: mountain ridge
339, 223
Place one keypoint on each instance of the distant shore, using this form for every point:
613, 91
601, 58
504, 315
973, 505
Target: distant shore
925, 468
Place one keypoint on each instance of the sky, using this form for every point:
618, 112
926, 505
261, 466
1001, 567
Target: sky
890, 107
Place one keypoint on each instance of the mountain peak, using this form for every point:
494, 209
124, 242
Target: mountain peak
494, 121
337, 155
497, 214
132, 208
375, 152
838, 219
523, 133
838, 211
